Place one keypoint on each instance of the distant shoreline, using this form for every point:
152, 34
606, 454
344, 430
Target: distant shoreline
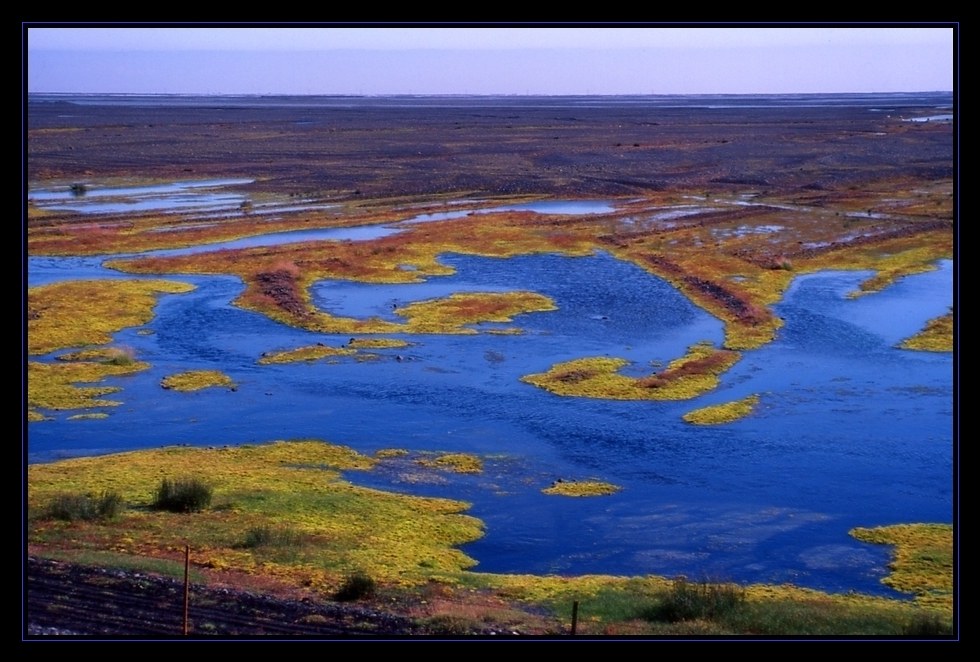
871, 100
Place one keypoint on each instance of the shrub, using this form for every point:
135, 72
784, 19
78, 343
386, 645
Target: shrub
263, 536
86, 507
72, 507
184, 495
927, 625
257, 537
109, 505
357, 586
446, 624
687, 601
120, 356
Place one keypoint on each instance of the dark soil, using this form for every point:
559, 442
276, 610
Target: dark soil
378, 150
76, 601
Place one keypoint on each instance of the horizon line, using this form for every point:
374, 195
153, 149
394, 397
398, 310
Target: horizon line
465, 94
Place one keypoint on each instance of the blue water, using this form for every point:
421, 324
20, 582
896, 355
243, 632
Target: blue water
205, 194
873, 101
368, 232
566, 207
850, 431
208, 195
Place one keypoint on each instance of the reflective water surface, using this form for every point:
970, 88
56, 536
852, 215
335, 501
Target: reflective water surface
850, 431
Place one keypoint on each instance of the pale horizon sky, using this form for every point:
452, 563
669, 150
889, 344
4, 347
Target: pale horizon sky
584, 59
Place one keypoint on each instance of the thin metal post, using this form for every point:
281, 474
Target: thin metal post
187, 589
574, 616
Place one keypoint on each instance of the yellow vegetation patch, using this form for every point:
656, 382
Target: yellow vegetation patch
705, 277
922, 560
733, 261
290, 486
145, 232
93, 416
462, 463
79, 313
722, 413
309, 353
110, 355
279, 287
598, 377
377, 343
563, 590
937, 336
316, 529
55, 385
390, 452
906, 263
452, 314
891, 258
803, 608
195, 380
699, 256
581, 488
594, 377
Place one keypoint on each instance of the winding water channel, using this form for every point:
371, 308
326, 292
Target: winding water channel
850, 431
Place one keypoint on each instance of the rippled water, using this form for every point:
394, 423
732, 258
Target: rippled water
850, 431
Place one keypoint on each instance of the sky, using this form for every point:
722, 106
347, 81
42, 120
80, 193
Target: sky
477, 59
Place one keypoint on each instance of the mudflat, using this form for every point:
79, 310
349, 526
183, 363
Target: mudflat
349, 148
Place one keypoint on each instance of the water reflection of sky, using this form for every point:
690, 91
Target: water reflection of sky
173, 196
932, 118
850, 431
209, 196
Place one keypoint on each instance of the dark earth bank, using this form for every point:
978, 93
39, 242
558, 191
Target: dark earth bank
78, 601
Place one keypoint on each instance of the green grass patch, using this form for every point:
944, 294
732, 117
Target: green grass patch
285, 512
703, 600
294, 486
122, 561
271, 536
